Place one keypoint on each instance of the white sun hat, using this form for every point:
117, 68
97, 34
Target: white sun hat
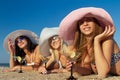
46, 33
13, 35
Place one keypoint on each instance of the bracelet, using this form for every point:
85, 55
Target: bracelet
30, 64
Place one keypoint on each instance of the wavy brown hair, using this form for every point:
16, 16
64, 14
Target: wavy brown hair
80, 42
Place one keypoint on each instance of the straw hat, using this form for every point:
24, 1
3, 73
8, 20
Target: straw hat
46, 33
68, 25
13, 35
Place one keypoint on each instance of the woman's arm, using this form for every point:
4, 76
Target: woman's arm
103, 48
38, 57
11, 48
53, 57
63, 60
103, 56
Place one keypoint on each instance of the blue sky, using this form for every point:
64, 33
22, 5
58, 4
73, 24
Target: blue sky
34, 15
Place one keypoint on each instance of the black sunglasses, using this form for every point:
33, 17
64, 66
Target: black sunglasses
55, 37
20, 39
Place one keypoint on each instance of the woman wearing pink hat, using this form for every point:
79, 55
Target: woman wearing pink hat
90, 32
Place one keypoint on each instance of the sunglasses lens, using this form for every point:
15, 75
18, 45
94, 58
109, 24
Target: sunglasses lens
55, 37
20, 39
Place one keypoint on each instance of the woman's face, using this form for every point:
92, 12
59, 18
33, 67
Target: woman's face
56, 42
87, 26
21, 42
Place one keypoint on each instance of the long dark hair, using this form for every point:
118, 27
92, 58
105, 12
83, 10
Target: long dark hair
30, 46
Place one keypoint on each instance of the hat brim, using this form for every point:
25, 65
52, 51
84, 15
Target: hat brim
46, 33
13, 35
68, 25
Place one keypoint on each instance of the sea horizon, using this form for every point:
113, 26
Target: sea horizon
4, 64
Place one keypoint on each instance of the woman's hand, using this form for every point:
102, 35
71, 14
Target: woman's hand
108, 32
11, 46
42, 70
54, 54
7, 70
70, 64
12, 69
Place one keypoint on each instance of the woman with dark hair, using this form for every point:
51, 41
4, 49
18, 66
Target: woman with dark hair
23, 45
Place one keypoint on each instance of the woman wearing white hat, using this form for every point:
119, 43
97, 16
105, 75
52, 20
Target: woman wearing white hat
90, 31
23, 44
51, 46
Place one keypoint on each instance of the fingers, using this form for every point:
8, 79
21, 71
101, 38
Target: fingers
6, 70
69, 65
107, 33
10, 43
112, 31
109, 30
42, 70
9, 40
11, 46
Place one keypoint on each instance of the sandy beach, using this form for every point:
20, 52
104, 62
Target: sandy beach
34, 75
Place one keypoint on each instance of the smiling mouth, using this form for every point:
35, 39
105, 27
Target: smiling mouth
21, 44
87, 28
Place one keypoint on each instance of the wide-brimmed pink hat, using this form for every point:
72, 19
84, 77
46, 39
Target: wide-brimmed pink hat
68, 25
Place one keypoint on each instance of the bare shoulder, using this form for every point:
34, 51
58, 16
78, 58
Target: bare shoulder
37, 50
108, 42
111, 43
37, 47
116, 47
